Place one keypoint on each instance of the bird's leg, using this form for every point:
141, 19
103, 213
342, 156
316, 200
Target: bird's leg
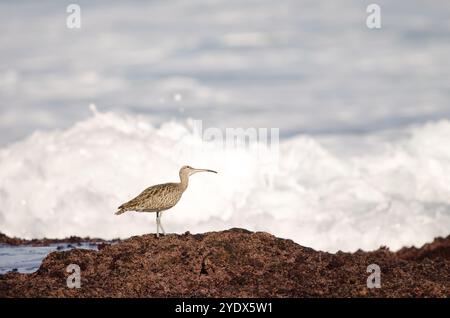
160, 225
157, 224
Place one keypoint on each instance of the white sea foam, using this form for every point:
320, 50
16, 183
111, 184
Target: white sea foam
70, 182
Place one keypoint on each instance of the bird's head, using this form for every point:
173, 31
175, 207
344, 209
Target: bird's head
188, 170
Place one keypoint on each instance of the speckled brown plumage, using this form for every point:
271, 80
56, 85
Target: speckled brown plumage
160, 197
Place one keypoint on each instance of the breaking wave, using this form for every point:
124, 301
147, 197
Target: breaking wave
326, 195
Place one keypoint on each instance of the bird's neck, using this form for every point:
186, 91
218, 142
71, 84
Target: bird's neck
184, 181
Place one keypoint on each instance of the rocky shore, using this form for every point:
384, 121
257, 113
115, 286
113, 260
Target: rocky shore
233, 263
75, 240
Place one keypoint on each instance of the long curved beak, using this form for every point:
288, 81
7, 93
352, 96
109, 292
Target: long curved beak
202, 170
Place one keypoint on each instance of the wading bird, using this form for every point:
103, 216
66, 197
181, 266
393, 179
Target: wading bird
160, 197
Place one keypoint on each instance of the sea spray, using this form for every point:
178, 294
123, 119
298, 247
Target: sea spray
70, 182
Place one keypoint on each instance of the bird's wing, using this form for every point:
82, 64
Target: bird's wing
154, 198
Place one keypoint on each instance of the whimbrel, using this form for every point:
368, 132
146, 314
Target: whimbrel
160, 197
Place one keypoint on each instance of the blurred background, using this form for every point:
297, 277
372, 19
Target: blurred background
303, 66
363, 117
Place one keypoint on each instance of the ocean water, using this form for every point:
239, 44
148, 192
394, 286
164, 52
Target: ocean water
304, 66
27, 259
363, 118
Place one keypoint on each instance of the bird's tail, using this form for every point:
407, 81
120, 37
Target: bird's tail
120, 211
